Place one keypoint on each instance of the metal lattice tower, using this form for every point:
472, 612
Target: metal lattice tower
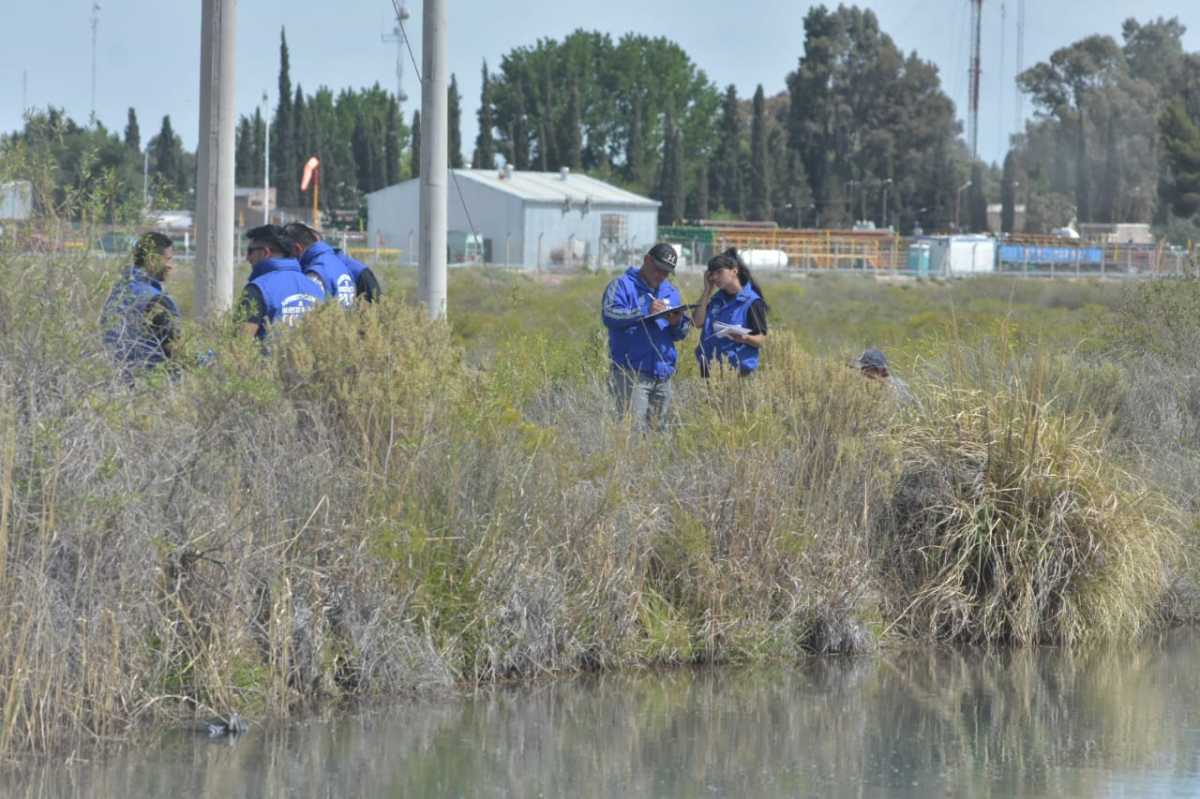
1020, 119
397, 36
95, 27
975, 71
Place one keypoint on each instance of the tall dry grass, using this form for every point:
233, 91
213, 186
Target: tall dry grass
372, 508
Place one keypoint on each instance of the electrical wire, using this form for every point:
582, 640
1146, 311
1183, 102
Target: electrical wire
420, 79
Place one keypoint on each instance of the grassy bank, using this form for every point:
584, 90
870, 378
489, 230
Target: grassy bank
386, 504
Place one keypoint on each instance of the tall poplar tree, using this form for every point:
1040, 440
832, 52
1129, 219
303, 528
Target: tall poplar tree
454, 125
485, 144
133, 137
414, 163
760, 187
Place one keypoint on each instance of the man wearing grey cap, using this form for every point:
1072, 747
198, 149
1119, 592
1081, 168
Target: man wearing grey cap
642, 332
874, 366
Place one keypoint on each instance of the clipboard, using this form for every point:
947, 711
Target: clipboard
668, 311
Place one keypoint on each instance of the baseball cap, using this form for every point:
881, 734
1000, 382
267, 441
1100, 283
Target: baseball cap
664, 255
870, 359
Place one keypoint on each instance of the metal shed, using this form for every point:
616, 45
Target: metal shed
527, 219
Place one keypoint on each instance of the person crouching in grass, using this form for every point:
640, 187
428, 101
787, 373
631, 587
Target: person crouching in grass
140, 320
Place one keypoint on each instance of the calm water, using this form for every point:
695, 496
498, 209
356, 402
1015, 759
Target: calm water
1117, 724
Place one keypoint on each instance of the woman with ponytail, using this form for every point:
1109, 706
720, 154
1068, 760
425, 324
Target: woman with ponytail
731, 300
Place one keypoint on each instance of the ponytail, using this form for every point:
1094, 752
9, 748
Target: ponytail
743, 273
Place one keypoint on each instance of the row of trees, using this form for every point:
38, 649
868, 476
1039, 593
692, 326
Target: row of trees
861, 126
68, 161
1109, 142
863, 131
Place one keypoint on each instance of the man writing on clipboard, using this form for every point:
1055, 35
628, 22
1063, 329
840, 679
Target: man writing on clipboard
645, 317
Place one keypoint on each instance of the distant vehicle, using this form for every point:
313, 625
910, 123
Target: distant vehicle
113, 243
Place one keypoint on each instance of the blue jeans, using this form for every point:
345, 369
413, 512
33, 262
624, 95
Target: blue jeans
646, 399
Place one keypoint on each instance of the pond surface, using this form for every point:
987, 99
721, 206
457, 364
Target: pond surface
1116, 723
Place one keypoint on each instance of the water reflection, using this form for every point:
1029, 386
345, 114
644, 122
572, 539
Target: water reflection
1030, 724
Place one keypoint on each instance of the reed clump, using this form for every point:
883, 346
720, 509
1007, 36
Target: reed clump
1013, 523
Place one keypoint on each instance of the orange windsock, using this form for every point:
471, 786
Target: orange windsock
310, 168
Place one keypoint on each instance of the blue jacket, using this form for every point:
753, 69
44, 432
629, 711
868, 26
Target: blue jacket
287, 293
368, 289
733, 310
322, 261
128, 334
647, 347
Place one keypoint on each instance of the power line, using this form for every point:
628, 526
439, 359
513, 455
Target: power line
417, 71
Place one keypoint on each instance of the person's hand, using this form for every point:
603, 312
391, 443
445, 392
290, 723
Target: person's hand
674, 318
656, 306
740, 338
709, 285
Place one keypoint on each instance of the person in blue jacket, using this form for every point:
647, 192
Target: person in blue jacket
643, 350
366, 285
278, 291
140, 321
319, 261
732, 316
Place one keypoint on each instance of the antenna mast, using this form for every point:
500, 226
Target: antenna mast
973, 103
397, 36
95, 26
1020, 63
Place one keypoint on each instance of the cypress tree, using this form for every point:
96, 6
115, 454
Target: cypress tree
698, 200
633, 146
977, 200
414, 163
727, 176
133, 137
166, 151
259, 132
677, 188
391, 146
365, 168
282, 149
520, 133
485, 145
573, 130
662, 191
760, 187
454, 112
1008, 199
243, 153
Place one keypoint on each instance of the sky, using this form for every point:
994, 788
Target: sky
148, 51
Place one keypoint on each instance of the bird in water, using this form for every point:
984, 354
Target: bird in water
219, 727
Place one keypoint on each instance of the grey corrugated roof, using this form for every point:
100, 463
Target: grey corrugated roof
550, 187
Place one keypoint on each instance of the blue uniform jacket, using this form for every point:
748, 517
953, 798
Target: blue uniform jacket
336, 279
633, 343
286, 292
127, 331
733, 310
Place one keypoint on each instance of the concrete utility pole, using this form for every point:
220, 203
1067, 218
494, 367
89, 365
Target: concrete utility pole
434, 147
266, 160
214, 173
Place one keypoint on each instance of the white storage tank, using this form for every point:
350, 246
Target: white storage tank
764, 259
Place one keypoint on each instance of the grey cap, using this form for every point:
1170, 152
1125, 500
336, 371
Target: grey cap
664, 255
870, 359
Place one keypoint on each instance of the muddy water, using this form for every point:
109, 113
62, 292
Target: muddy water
1032, 724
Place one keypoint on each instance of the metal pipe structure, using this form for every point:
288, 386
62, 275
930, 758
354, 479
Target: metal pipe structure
976, 70
215, 159
434, 149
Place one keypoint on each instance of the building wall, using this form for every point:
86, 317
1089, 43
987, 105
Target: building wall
514, 226
559, 232
393, 218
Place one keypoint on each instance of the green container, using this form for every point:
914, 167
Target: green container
918, 259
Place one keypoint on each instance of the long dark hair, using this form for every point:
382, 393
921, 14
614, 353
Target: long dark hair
730, 259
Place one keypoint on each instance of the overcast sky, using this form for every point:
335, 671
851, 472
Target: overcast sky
148, 50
